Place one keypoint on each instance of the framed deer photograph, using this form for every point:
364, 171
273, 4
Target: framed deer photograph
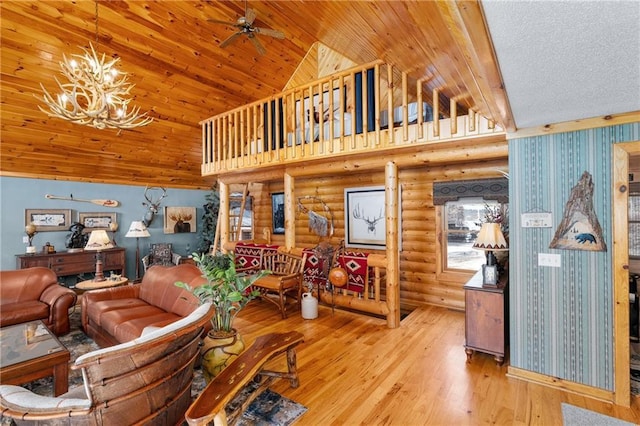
365, 217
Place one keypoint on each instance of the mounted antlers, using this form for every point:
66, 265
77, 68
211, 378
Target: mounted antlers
371, 223
152, 206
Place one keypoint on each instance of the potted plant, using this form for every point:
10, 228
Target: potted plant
211, 209
229, 292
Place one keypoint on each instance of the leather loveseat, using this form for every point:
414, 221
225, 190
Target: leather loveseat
121, 314
34, 294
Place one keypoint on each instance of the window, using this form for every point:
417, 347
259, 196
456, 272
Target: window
246, 225
461, 222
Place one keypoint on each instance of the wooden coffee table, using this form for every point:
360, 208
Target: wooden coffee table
95, 285
28, 352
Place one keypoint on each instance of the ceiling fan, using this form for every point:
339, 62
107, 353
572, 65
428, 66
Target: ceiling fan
245, 26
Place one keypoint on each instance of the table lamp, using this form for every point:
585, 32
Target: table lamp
490, 239
137, 230
98, 241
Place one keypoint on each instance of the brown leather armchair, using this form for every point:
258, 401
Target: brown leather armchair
144, 381
34, 294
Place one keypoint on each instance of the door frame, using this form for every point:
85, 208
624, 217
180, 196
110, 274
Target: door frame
620, 200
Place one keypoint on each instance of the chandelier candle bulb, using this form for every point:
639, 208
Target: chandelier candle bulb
94, 95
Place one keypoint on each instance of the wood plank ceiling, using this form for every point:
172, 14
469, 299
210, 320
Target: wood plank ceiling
182, 76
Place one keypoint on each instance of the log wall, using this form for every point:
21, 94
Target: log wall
420, 284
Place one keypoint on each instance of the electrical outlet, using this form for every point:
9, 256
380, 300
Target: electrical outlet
25, 240
548, 259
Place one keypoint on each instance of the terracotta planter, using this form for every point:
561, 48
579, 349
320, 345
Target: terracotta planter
218, 352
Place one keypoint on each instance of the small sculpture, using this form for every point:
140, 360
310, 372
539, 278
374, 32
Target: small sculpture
76, 239
30, 230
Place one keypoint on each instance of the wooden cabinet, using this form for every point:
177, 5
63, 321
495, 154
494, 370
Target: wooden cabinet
486, 318
65, 263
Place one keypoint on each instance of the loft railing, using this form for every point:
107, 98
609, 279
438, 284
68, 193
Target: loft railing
368, 108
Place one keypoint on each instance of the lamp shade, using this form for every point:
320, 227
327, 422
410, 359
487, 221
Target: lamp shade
137, 230
490, 238
98, 240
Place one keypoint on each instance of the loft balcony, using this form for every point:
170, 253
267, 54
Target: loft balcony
365, 110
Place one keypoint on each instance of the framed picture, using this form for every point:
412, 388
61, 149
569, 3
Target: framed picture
48, 219
365, 217
489, 276
96, 221
179, 220
277, 212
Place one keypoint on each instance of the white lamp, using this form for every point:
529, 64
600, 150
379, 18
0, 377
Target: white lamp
98, 241
137, 230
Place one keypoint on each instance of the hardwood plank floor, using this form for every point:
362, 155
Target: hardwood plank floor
355, 371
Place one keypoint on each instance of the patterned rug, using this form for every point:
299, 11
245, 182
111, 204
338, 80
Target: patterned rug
269, 408
249, 255
355, 263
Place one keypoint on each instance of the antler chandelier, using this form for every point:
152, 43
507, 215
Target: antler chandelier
96, 94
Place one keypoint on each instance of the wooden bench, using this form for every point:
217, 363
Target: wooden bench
210, 405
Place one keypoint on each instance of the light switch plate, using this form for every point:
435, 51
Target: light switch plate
548, 259
25, 240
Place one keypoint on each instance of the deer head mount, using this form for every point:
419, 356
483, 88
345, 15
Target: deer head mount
151, 204
371, 222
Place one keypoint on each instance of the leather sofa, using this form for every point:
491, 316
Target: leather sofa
34, 294
120, 314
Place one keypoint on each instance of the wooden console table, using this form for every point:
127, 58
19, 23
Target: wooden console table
64, 263
486, 317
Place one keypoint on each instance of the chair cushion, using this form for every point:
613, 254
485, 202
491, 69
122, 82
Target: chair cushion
161, 254
20, 399
128, 324
96, 310
28, 310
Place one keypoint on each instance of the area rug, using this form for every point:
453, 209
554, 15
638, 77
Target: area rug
576, 416
269, 408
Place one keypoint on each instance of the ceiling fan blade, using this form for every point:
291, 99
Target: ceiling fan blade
217, 21
230, 39
250, 16
269, 32
259, 47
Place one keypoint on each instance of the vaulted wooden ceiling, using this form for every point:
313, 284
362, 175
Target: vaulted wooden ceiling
182, 76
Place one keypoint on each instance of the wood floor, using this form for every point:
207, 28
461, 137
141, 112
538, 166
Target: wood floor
355, 371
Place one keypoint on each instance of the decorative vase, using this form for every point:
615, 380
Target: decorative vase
309, 306
218, 352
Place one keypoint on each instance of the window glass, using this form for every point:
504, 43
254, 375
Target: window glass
462, 221
246, 225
